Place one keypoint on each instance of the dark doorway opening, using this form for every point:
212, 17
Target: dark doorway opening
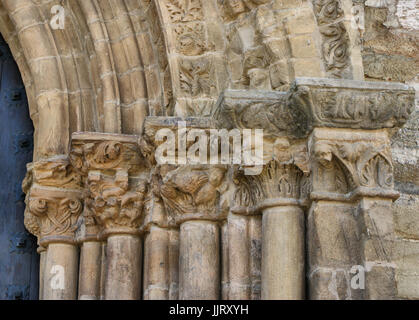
19, 262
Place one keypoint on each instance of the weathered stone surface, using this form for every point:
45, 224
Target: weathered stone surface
119, 71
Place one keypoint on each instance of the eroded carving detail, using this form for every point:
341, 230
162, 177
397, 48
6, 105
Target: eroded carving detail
329, 15
193, 192
116, 202
332, 105
196, 77
184, 10
344, 166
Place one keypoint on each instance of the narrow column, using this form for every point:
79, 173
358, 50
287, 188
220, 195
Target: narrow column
199, 261
225, 263
239, 258
174, 264
90, 257
157, 264
255, 263
90, 270
278, 197
161, 251
123, 273
43, 254
283, 253
103, 271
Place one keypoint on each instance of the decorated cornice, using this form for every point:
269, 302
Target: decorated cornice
350, 104
105, 151
317, 102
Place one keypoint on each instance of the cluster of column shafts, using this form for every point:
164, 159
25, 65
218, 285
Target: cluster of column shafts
114, 224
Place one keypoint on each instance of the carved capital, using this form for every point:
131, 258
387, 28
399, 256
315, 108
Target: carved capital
347, 164
267, 110
112, 166
193, 192
53, 200
116, 202
279, 184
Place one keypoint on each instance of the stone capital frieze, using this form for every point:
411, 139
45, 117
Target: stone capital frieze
350, 104
348, 164
115, 186
54, 200
193, 192
317, 102
105, 151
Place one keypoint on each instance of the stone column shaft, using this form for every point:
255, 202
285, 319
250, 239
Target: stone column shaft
90, 270
239, 258
283, 253
157, 264
61, 272
199, 261
123, 274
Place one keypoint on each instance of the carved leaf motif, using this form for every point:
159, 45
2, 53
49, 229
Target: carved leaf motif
377, 172
191, 39
327, 11
335, 47
107, 152
184, 10
195, 77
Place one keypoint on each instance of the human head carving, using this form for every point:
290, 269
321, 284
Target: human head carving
323, 153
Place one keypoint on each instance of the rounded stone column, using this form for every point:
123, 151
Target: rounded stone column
90, 270
199, 261
42, 258
283, 253
156, 264
61, 272
123, 270
239, 258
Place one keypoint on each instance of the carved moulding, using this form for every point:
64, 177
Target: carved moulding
53, 200
349, 164
116, 187
256, 109
335, 48
350, 104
